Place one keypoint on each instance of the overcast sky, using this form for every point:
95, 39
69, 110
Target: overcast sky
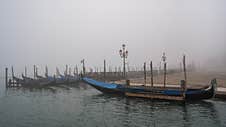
59, 32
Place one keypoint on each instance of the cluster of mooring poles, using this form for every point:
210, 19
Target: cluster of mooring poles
10, 82
164, 71
152, 95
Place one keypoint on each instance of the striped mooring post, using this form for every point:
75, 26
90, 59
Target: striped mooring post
6, 77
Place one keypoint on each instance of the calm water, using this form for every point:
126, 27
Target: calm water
83, 106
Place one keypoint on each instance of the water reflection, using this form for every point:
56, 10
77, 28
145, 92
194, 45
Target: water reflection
158, 113
84, 106
48, 89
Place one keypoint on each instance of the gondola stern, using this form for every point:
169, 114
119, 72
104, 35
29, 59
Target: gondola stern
214, 86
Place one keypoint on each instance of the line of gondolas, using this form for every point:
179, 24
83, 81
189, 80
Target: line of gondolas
102, 81
39, 81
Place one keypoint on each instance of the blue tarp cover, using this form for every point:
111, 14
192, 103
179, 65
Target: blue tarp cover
100, 84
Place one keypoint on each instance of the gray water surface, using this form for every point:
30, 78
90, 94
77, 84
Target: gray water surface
83, 106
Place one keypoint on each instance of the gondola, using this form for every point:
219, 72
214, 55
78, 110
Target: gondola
42, 81
39, 82
109, 88
154, 93
18, 80
66, 78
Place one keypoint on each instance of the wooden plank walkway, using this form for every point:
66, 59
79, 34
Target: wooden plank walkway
155, 96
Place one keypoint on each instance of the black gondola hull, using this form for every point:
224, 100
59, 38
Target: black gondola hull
117, 89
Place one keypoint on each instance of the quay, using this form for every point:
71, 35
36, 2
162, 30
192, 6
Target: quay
160, 79
220, 91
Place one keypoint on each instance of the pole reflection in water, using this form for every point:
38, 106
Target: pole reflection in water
85, 106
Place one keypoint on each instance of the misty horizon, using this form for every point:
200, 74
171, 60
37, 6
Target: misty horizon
56, 33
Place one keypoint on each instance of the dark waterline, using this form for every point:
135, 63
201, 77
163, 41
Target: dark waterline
83, 106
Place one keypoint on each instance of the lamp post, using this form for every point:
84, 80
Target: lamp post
164, 58
123, 54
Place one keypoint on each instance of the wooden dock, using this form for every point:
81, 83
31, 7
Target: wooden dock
220, 95
155, 96
220, 91
145, 77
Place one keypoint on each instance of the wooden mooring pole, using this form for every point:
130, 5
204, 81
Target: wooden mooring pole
104, 70
25, 71
83, 67
34, 71
54, 77
69, 71
185, 74
6, 77
145, 73
115, 71
12, 80
76, 68
12, 72
66, 70
119, 71
74, 71
46, 71
164, 74
151, 74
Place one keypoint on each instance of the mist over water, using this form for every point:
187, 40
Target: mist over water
55, 33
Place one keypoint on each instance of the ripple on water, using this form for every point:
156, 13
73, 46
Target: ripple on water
90, 108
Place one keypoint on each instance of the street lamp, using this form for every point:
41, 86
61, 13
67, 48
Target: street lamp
123, 54
164, 57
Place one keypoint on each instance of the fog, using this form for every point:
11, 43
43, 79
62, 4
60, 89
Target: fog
59, 32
